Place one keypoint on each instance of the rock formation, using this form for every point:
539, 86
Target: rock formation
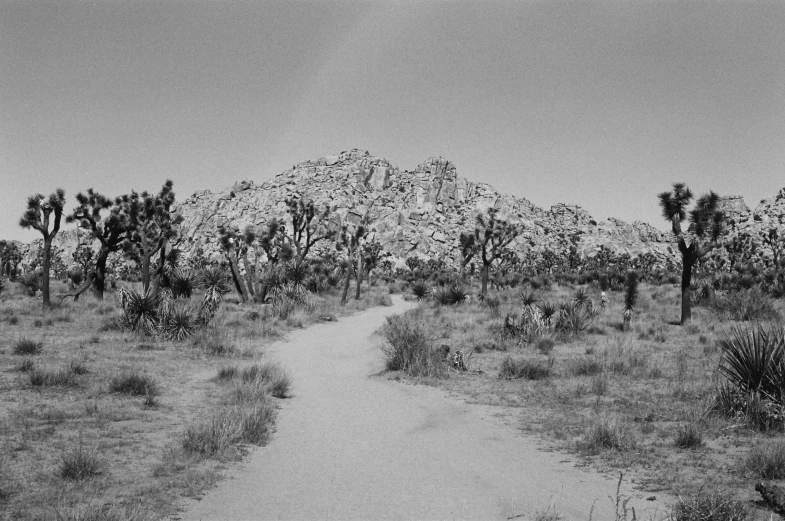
419, 212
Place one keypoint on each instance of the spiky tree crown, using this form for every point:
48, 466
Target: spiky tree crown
706, 220
39, 209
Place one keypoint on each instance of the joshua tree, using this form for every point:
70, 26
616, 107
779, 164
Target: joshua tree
229, 241
630, 298
776, 241
372, 251
152, 224
351, 241
39, 212
9, 259
492, 235
111, 232
704, 230
248, 240
468, 245
309, 226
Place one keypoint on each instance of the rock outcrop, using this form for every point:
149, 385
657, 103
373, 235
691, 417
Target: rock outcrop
419, 212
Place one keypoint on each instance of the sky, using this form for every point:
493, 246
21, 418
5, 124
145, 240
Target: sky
600, 104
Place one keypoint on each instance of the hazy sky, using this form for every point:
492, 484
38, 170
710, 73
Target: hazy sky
603, 104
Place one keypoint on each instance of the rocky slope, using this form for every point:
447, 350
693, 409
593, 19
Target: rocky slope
420, 212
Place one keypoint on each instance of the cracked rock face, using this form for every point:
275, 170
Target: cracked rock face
420, 212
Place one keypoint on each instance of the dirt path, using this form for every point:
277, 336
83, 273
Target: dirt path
353, 447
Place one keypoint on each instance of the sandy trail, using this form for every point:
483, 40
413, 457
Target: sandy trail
352, 447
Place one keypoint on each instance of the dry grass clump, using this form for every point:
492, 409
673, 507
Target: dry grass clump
712, 506
219, 436
214, 341
525, 368
607, 433
766, 460
80, 464
134, 383
27, 347
689, 436
46, 377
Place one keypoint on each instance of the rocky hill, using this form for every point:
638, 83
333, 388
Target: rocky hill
419, 212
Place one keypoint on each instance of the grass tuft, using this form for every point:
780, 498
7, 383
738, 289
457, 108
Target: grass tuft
689, 436
25, 346
524, 368
766, 460
80, 464
134, 384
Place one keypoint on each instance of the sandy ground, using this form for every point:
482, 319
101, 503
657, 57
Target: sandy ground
351, 446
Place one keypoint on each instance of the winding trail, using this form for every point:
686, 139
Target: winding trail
351, 447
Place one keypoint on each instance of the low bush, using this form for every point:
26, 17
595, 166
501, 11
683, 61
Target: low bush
545, 345
25, 346
24, 366
134, 384
512, 368
709, 507
408, 347
766, 460
270, 375
214, 341
744, 305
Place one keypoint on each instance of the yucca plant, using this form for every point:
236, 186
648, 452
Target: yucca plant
141, 310
631, 290
214, 280
580, 297
753, 364
527, 299
457, 295
182, 284
420, 290
180, 324
548, 311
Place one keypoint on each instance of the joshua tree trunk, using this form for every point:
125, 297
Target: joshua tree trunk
359, 276
249, 275
485, 270
236, 275
99, 281
348, 278
686, 282
45, 274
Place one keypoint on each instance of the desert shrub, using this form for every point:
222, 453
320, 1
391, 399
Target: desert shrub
218, 436
420, 290
581, 297
31, 283
744, 305
766, 460
586, 366
51, 377
408, 348
383, 300
689, 436
709, 507
38, 322
607, 433
457, 295
545, 345
80, 464
141, 312
512, 368
25, 346
493, 304
753, 367
134, 384
13, 321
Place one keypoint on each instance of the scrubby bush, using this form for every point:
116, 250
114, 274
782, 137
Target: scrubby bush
51, 377
408, 347
420, 290
587, 366
744, 305
218, 436
689, 436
